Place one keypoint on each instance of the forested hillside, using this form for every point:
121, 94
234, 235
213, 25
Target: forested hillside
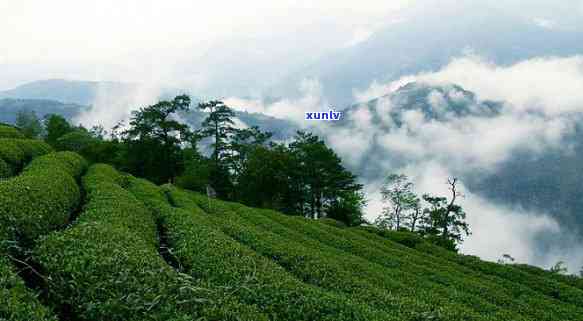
84, 241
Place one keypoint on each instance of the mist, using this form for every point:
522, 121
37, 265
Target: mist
255, 46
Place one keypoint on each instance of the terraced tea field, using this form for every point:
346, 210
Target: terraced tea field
82, 242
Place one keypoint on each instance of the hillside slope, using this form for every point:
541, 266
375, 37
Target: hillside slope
92, 243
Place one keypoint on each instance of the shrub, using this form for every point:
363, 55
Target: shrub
571, 280
33, 148
206, 253
441, 280
323, 266
513, 301
17, 152
5, 170
552, 297
11, 153
42, 197
409, 239
10, 132
75, 141
17, 303
107, 267
332, 222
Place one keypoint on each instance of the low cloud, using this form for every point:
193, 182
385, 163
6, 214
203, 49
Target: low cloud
541, 101
109, 108
311, 100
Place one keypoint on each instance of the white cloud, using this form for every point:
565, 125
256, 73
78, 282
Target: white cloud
543, 98
37, 30
545, 23
108, 108
311, 100
549, 85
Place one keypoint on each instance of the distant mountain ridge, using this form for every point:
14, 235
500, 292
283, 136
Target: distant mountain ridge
455, 101
66, 91
9, 108
423, 43
547, 180
70, 98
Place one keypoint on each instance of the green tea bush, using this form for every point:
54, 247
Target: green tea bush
337, 271
107, 266
519, 282
5, 170
332, 222
206, 253
33, 148
17, 302
42, 197
571, 280
11, 153
17, 152
10, 132
460, 285
475, 289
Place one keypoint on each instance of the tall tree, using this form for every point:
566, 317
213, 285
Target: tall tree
559, 268
242, 142
29, 124
415, 218
154, 139
219, 126
55, 127
348, 208
318, 175
397, 192
446, 218
265, 180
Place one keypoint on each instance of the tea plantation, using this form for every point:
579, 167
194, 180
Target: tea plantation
87, 242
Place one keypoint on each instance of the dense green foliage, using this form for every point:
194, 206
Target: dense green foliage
206, 253
107, 267
440, 220
17, 152
10, 132
5, 169
42, 197
31, 205
127, 249
56, 126
303, 177
29, 124
18, 303
153, 140
509, 275
429, 281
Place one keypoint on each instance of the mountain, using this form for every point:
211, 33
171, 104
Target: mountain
71, 98
434, 102
507, 157
117, 247
67, 91
10, 107
423, 42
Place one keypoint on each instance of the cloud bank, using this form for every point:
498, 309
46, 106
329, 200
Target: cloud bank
541, 100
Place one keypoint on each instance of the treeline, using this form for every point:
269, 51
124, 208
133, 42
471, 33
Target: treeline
301, 177
440, 220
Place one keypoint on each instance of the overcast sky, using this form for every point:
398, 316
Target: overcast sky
122, 39
48, 31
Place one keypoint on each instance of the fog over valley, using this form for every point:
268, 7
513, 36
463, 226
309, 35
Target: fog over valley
491, 94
